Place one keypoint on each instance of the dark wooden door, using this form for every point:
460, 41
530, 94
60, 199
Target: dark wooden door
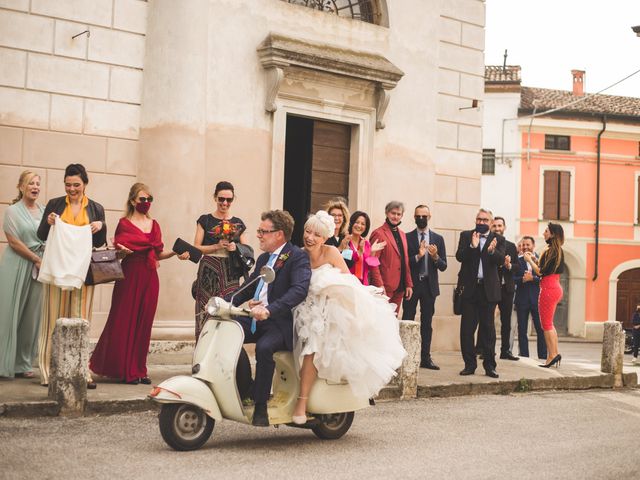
317, 158
561, 317
628, 296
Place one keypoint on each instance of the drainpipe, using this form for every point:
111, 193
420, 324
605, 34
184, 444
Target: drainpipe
529, 136
597, 232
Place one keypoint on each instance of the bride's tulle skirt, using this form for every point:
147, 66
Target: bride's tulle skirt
352, 329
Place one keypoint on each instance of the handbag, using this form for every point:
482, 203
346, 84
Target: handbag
104, 268
457, 299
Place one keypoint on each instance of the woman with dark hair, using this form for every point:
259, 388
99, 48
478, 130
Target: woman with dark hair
217, 236
549, 267
20, 292
122, 349
74, 208
363, 256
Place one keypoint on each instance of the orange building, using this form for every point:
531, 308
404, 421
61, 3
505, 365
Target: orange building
579, 165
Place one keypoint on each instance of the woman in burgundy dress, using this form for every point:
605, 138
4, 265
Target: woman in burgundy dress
122, 349
549, 268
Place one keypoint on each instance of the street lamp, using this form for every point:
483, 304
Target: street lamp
636, 30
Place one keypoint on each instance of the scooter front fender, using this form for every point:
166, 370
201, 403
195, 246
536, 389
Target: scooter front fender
185, 389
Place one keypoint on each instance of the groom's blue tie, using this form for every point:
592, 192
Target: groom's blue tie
256, 296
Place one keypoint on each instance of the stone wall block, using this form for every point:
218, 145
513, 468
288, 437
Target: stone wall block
468, 191
470, 138
449, 109
110, 190
473, 36
445, 188
65, 75
448, 82
95, 12
458, 163
122, 156
126, 85
408, 372
464, 10
459, 58
28, 32
66, 113
8, 181
22, 5
111, 119
24, 108
10, 146
116, 47
65, 44
130, 15
449, 30
447, 135
13, 67
460, 217
472, 86
70, 365
57, 150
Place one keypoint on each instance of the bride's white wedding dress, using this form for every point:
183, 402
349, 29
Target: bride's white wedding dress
351, 328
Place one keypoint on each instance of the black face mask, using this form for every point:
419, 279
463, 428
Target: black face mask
391, 224
482, 228
422, 223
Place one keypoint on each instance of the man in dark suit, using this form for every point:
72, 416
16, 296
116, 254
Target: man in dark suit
506, 272
427, 255
271, 327
480, 252
526, 302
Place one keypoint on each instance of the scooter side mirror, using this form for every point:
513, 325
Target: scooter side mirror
268, 274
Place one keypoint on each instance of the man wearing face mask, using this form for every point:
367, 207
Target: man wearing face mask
393, 271
427, 255
480, 253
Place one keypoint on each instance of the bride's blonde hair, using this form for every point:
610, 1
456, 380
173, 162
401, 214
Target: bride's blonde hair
322, 223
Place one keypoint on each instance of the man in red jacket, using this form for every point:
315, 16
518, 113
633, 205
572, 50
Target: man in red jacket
394, 272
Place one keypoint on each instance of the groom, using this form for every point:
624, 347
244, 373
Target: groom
271, 305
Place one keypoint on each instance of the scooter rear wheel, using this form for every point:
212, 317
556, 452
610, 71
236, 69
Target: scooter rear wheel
334, 426
184, 427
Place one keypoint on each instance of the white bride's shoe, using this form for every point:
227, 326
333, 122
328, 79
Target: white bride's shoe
299, 419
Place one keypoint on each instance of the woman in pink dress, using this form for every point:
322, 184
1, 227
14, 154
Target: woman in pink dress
362, 253
549, 268
122, 349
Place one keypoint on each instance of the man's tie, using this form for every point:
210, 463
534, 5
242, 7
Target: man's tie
256, 296
423, 263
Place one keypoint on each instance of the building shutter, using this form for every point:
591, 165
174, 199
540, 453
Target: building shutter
330, 166
550, 200
638, 199
564, 195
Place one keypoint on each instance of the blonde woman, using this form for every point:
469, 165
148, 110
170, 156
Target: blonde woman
20, 292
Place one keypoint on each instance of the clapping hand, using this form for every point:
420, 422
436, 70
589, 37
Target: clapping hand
422, 249
475, 240
492, 245
96, 226
377, 246
507, 262
433, 251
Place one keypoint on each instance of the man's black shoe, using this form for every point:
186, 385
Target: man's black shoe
508, 356
260, 416
429, 364
467, 371
491, 373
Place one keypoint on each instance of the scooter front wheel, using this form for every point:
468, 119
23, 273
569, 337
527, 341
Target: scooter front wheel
333, 426
185, 427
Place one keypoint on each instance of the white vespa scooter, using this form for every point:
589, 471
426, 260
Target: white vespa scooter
192, 404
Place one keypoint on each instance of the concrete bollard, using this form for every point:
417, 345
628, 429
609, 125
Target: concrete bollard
613, 351
69, 365
407, 378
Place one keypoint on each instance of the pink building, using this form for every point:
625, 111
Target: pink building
578, 165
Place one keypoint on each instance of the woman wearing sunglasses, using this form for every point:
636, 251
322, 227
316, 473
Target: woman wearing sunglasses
217, 236
122, 349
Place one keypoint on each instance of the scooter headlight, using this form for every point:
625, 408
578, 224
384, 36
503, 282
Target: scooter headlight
213, 306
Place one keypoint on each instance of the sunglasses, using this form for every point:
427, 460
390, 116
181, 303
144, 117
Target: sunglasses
225, 199
145, 199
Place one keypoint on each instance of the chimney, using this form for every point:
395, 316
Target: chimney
578, 83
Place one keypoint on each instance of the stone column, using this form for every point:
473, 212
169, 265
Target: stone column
408, 372
69, 365
613, 351
172, 145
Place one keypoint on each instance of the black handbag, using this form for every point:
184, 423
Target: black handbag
105, 267
457, 299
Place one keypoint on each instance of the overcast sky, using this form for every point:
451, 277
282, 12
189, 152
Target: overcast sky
549, 38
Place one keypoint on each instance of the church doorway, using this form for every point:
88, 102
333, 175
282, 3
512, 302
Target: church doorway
317, 158
628, 296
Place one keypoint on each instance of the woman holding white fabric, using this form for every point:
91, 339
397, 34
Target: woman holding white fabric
343, 330
75, 208
20, 293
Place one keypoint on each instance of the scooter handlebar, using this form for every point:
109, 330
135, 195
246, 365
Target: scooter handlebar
218, 307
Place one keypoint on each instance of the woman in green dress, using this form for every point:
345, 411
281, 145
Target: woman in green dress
20, 292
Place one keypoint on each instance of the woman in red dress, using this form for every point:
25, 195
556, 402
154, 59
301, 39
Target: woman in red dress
122, 349
549, 268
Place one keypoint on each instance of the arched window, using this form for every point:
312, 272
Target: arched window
365, 10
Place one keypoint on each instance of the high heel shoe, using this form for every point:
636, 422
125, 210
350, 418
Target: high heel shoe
299, 419
554, 361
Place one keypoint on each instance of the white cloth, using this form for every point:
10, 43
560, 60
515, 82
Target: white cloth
351, 328
67, 255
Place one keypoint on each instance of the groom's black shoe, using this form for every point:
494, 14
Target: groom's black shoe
260, 416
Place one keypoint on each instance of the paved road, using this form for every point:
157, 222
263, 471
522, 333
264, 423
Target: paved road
585, 435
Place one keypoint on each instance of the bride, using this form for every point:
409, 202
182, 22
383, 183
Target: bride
343, 330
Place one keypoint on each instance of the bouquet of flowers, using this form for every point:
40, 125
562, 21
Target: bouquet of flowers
226, 230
